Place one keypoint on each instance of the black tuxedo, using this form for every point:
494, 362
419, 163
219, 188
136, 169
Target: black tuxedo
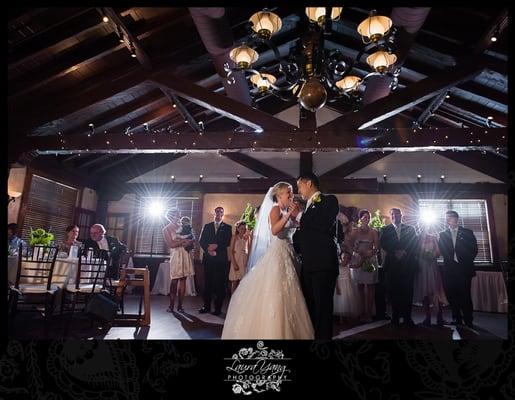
116, 249
216, 269
400, 273
457, 276
316, 240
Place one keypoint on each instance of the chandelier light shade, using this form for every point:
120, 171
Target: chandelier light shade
313, 73
313, 95
317, 14
262, 81
349, 84
374, 28
265, 23
381, 60
243, 56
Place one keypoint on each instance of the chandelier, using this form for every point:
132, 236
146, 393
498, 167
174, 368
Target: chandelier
311, 72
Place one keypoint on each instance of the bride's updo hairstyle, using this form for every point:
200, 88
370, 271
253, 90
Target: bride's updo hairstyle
278, 187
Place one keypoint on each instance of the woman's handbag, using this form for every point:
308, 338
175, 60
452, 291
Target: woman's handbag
102, 306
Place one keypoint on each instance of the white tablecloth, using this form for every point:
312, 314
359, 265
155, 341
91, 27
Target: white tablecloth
488, 292
163, 280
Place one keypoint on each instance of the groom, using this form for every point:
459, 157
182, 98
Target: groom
316, 241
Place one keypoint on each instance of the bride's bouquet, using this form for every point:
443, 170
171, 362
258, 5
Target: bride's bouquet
368, 265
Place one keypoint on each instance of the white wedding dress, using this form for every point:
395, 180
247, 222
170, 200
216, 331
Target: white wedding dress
268, 303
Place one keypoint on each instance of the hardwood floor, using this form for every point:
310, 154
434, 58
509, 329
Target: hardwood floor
192, 325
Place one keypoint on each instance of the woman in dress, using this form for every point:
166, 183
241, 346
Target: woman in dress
72, 233
181, 264
268, 303
362, 246
428, 287
346, 298
239, 254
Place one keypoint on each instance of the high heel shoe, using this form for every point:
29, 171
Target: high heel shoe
180, 309
170, 308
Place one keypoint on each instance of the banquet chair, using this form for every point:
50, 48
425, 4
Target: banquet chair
89, 280
33, 285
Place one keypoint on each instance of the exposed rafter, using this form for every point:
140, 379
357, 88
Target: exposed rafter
402, 139
401, 100
484, 162
129, 40
354, 165
221, 104
256, 165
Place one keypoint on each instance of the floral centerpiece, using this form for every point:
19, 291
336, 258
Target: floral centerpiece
40, 237
249, 216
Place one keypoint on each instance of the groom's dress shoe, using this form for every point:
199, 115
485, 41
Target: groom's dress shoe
204, 310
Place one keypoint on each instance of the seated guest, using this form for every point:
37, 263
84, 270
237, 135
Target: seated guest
13, 241
72, 233
99, 240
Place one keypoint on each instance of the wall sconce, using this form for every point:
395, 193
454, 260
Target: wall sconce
173, 178
419, 177
13, 196
238, 177
442, 178
200, 177
385, 178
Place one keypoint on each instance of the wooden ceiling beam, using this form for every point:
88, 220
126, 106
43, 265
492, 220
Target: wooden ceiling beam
133, 167
101, 121
403, 99
223, 105
256, 165
114, 160
356, 164
402, 139
242, 186
130, 41
85, 21
306, 162
485, 162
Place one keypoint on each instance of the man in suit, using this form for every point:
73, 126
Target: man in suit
98, 240
316, 240
400, 243
214, 240
458, 247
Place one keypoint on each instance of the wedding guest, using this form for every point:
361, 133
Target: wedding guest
179, 239
239, 254
399, 242
363, 245
72, 233
214, 240
428, 287
13, 241
458, 246
98, 240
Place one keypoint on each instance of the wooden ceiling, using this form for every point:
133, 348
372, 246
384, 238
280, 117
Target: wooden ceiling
68, 69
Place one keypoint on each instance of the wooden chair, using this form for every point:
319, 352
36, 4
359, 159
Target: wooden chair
89, 279
33, 285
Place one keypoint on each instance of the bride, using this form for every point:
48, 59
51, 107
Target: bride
268, 303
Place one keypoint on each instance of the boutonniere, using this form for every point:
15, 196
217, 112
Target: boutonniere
317, 199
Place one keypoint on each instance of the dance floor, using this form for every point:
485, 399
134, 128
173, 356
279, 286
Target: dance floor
192, 325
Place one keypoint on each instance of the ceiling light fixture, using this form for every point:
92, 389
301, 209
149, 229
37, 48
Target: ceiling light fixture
313, 73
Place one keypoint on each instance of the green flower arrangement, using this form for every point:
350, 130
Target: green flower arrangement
40, 237
249, 216
367, 265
